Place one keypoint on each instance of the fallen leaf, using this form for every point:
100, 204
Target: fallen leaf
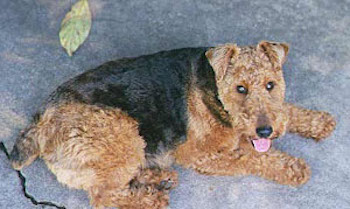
75, 26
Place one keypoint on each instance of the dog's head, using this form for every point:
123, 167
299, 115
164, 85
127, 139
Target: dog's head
252, 89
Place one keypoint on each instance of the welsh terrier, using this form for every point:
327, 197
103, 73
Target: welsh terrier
115, 131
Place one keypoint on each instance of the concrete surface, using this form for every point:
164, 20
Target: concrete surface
32, 64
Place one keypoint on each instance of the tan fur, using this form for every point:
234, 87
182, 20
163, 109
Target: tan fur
309, 123
89, 147
29, 146
217, 150
104, 142
220, 56
99, 149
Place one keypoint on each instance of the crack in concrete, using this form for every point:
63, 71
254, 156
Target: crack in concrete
23, 184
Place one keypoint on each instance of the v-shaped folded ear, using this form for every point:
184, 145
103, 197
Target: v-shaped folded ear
220, 57
276, 52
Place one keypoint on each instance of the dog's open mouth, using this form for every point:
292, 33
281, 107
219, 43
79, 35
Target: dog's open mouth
261, 144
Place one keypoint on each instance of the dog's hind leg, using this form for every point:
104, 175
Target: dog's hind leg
148, 189
25, 150
141, 197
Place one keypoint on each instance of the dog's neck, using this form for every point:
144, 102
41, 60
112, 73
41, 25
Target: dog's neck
207, 86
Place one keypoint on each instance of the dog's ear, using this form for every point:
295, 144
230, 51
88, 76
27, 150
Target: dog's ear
276, 52
220, 57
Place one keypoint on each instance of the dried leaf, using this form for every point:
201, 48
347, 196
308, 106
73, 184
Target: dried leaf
75, 27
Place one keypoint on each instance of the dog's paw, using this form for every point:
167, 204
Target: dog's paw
163, 180
298, 172
153, 198
324, 126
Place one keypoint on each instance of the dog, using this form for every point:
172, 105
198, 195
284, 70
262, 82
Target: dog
115, 131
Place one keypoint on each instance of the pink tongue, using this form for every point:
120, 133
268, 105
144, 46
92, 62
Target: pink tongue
262, 144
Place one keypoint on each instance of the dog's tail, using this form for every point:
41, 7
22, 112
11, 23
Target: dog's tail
26, 148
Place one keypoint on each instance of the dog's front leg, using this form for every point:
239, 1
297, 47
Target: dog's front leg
272, 165
309, 123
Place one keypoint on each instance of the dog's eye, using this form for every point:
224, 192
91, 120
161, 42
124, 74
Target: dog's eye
242, 90
270, 85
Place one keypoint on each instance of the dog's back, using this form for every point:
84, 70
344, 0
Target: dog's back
151, 88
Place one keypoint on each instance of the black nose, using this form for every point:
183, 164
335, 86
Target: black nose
264, 131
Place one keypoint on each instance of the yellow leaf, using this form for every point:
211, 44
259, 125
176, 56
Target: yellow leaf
75, 26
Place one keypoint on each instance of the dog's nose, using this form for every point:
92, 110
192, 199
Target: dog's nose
264, 131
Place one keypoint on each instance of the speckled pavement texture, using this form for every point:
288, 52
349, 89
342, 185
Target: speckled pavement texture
317, 73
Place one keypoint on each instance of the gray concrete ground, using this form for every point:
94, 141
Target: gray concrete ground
32, 64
